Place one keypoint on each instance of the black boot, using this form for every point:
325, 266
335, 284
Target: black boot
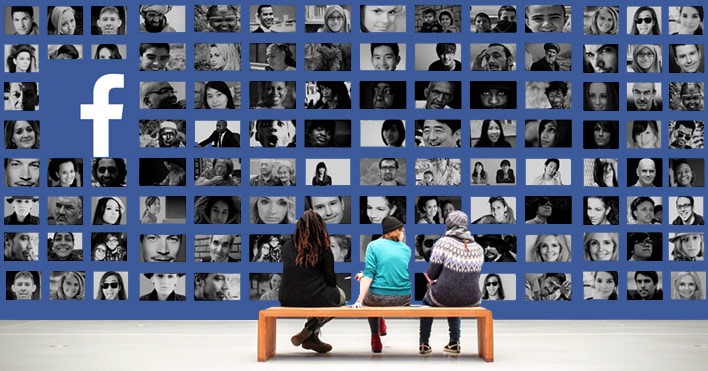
314, 343
301, 337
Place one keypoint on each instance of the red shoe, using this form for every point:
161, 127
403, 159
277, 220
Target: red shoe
376, 345
382, 327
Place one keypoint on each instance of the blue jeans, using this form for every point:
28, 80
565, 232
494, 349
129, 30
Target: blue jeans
426, 323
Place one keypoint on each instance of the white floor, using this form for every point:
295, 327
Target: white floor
231, 345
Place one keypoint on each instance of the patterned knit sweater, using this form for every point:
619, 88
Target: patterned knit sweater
456, 269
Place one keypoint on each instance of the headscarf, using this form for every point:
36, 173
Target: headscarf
336, 8
655, 66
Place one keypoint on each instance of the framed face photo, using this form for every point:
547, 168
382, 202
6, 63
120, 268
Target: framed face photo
221, 133
272, 133
601, 285
382, 171
601, 246
438, 57
498, 286
264, 286
217, 57
272, 210
64, 210
549, 210
21, 172
644, 210
327, 57
438, 133
272, 18
110, 285
644, 172
600, 58
328, 95
686, 246
643, 134
686, 96
65, 246
686, 172
493, 57
601, 134
272, 57
438, 171
217, 210
23, 285
21, 96
217, 171
272, 94
217, 248
600, 172
328, 133
217, 286
548, 248
65, 20
109, 51
382, 57
548, 57
21, 58
601, 20
643, 246
644, 285
482, 169
601, 210
108, 210
547, 18
373, 209
163, 95
383, 133
163, 209
600, 96
21, 134
382, 94
501, 210
438, 18
548, 133
162, 248
217, 95
217, 18
686, 20
272, 172
69, 285
688, 285
163, 133
644, 96
330, 171
162, 287
686, 210
382, 18
108, 20
686, 134
548, 171
644, 20
65, 172
548, 94
22, 20
493, 18
493, 94
162, 18
163, 172
328, 18
644, 58
109, 246
430, 209
332, 209
548, 286
21, 246
492, 133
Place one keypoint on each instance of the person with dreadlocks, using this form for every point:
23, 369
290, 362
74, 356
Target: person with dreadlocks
309, 279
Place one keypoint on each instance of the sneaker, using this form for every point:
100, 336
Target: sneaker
376, 345
300, 337
314, 343
452, 348
382, 327
424, 349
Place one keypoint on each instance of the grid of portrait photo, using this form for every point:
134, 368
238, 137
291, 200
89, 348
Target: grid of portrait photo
237, 118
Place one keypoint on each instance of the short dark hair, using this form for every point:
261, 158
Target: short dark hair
23, 9
388, 159
145, 46
428, 172
689, 124
540, 201
690, 199
68, 49
559, 276
483, 15
557, 85
674, 46
558, 164
260, 7
454, 125
393, 46
651, 274
444, 48
505, 8
505, 162
428, 11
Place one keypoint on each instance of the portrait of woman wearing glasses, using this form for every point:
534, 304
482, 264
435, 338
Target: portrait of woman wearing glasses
336, 19
644, 246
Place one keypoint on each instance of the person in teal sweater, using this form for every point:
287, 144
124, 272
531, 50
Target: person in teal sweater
385, 281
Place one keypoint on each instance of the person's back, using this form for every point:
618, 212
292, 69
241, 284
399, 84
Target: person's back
390, 258
457, 266
307, 286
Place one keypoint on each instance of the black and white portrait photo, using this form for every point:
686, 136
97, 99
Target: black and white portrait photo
65, 172
600, 285
217, 18
685, 20
272, 210
272, 172
108, 210
548, 94
163, 209
373, 209
332, 209
600, 172
65, 20
548, 171
163, 172
644, 210
70, 285
23, 285
382, 171
492, 171
328, 57
438, 57
217, 210
548, 287
22, 20
217, 95
382, 57
686, 134
382, 94
438, 133
644, 58
163, 133
163, 248
643, 134
328, 18
109, 51
163, 95
498, 247
601, 20
272, 94
65, 246
548, 248
21, 96
383, 133
644, 285
686, 246
109, 246
643, 246
686, 96
64, 210
162, 18
438, 171
221, 133
493, 18
217, 171
110, 285
21, 58
547, 18
548, 133
21, 172
601, 210
644, 96
272, 57
493, 57
493, 133
217, 286
21, 134
424, 246
21, 246
493, 210
382, 18
493, 94
272, 133
264, 286
326, 172
601, 96
438, 18
217, 57
271, 18
328, 95
437, 94
688, 285
686, 210
601, 134
328, 133
644, 172
644, 20
600, 58
65, 51
498, 286
430, 209
686, 172
217, 248
162, 287
548, 210
548, 57
162, 57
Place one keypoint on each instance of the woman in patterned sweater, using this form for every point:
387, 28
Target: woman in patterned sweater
455, 265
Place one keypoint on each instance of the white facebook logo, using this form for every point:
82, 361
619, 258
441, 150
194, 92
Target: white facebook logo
101, 112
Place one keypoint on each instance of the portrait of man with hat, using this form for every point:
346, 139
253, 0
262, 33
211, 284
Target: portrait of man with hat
21, 208
497, 247
164, 285
154, 19
548, 62
170, 135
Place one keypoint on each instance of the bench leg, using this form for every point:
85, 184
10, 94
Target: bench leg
266, 337
485, 338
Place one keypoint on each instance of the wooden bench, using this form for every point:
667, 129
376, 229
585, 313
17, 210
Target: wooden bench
267, 325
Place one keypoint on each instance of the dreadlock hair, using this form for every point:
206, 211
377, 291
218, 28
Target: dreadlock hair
310, 238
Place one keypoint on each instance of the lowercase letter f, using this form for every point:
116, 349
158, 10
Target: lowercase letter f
101, 111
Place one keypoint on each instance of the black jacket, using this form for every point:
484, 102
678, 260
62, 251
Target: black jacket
308, 286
